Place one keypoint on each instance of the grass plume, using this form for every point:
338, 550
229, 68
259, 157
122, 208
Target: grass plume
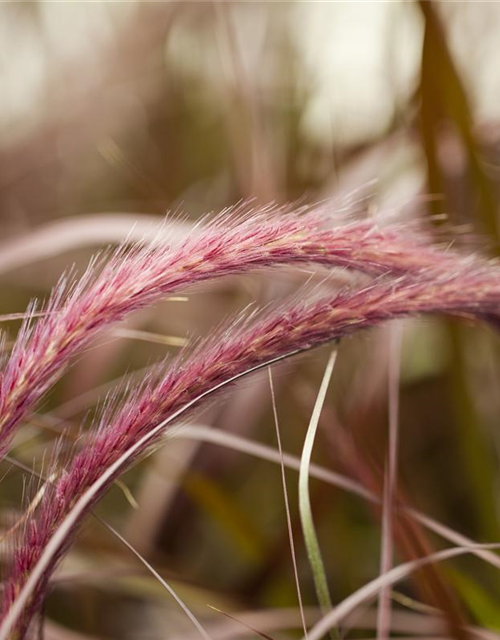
232, 243
129, 431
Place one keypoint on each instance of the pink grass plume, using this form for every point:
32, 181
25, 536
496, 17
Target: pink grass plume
129, 431
232, 243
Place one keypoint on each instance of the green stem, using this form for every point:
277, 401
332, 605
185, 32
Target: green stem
310, 537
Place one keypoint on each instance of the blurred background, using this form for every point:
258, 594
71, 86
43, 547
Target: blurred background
114, 114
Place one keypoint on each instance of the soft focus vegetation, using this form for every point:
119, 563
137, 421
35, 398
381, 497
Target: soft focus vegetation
115, 114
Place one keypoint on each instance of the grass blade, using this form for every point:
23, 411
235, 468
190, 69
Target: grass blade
310, 537
287, 505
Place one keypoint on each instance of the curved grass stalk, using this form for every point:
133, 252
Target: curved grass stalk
189, 614
310, 538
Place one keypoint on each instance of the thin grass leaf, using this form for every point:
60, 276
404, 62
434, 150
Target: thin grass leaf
249, 627
27, 315
196, 623
306, 517
28, 510
287, 504
148, 336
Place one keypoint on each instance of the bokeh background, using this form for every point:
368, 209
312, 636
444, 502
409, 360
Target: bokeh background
115, 113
